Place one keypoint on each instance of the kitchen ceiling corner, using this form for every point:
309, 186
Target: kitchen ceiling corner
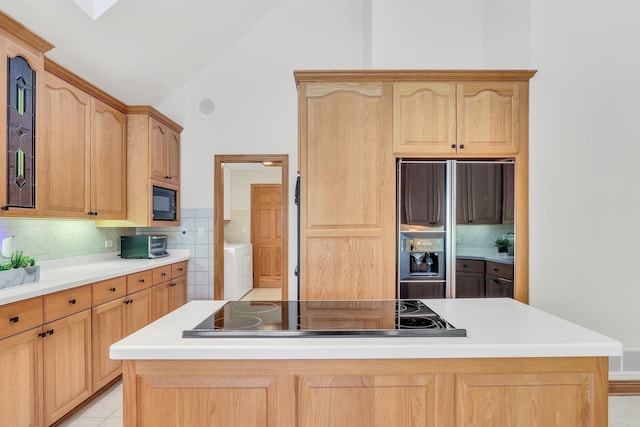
142, 51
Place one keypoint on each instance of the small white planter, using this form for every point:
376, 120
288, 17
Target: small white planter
19, 276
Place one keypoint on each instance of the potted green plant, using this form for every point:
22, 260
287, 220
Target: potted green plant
19, 270
502, 243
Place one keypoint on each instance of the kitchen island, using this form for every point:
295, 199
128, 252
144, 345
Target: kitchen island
516, 366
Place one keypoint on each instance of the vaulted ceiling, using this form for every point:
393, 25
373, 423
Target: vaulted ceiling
140, 51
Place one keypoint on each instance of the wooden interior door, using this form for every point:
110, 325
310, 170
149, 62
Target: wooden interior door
266, 235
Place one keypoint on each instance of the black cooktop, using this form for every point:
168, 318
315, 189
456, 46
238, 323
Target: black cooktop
394, 318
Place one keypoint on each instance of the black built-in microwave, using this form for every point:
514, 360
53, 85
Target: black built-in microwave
164, 204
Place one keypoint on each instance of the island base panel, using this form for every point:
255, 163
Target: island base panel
386, 393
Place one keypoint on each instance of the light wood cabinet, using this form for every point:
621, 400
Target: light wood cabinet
433, 118
488, 117
107, 323
66, 364
83, 155
164, 152
169, 290
153, 159
386, 392
353, 125
54, 349
137, 311
424, 118
347, 193
20, 316
21, 379
107, 327
18, 197
108, 161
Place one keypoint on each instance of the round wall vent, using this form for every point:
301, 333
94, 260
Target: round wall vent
205, 109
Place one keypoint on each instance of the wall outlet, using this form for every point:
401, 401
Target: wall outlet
108, 243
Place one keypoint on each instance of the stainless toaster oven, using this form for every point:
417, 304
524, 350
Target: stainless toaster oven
143, 246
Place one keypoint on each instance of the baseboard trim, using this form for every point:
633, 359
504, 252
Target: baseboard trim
624, 388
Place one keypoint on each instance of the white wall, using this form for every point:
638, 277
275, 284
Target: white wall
584, 164
584, 145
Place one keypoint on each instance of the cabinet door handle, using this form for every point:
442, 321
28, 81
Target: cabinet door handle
461, 146
112, 289
453, 145
172, 284
14, 319
50, 332
168, 177
72, 301
42, 334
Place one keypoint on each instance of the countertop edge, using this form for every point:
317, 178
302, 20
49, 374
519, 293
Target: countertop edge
162, 340
60, 279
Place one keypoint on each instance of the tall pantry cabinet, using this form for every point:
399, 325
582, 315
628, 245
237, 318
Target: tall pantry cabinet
347, 189
354, 125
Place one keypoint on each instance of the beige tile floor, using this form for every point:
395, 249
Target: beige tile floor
106, 411
263, 294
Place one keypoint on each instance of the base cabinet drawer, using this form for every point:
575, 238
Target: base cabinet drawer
20, 316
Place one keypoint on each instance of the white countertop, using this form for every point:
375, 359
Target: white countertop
496, 327
484, 254
58, 275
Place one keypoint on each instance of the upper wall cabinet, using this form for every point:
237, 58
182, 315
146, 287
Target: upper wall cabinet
21, 72
153, 158
83, 153
165, 152
424, 117
460, 114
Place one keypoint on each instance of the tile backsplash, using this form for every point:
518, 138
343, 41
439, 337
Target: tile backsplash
52, 239
196, 234
49, 239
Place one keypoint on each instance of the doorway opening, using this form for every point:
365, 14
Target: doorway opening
280, 260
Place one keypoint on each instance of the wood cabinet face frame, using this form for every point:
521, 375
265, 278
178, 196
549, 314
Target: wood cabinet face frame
510, 98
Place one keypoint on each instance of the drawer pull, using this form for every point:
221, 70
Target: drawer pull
72, 301
14, 319
141, 280
112, 289
180, 268
163, 274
